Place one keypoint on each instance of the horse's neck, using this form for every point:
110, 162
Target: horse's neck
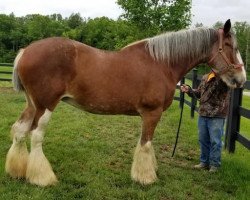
181, 69
174, 71
195, 62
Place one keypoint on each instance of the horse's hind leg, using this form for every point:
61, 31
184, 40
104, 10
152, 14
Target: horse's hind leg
144, 164
17, 157
39, 170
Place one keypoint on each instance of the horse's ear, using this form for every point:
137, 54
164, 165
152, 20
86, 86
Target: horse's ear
227, 27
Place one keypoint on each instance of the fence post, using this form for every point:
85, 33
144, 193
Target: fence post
233, 120
194, 85
182, 93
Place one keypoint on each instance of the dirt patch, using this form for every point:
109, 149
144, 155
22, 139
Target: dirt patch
6, 89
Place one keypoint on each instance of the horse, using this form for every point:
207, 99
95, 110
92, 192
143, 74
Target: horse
138, 80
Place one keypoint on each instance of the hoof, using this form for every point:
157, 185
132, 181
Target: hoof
39, 170
16, 161
144, 164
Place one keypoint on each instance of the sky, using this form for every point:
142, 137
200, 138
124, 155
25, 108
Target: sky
207, 12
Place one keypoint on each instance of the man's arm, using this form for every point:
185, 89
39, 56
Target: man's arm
191, 92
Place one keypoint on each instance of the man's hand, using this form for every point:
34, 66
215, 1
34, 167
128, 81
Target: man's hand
184, 88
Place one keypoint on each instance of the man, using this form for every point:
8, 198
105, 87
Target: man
213, 94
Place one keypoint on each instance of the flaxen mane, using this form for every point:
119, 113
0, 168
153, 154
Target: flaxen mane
184, 44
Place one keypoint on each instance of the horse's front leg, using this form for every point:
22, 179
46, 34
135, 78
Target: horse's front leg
144, 164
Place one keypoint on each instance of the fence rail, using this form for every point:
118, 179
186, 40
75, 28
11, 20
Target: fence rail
4, 72
6, 64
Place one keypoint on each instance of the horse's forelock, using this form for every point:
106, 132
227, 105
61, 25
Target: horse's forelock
184, 44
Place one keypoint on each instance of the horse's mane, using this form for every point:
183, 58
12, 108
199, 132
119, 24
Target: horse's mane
184, 44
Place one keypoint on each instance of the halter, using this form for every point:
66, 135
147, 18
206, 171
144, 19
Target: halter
221, 52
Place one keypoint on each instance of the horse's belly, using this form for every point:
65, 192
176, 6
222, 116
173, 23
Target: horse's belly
103, 108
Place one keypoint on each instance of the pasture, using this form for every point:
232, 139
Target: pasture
92, 156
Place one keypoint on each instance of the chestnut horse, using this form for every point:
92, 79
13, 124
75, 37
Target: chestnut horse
140, 79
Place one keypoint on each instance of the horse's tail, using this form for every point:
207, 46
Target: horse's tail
15, 77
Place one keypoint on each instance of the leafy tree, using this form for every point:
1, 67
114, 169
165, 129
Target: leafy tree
7, 24
56, 17
125, 33
100, 33
105, 33
75, 20
154, 16
39, 27
75, 26
218, 24
242, 31
18, 32
179, 16
75, 34
7, 37
198, 25
247, 58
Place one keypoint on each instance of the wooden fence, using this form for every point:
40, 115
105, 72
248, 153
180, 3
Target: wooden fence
236, 111
3, 72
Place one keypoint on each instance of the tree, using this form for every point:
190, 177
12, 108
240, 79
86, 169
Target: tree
7, 37
75, 20
125, 33
39, 27
105, 33
218, 25
198, 25
18, 32
242, 31
155, 16
247, 60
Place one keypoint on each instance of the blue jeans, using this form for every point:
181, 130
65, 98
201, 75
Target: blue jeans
210, 134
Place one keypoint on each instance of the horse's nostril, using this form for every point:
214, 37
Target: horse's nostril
237, 83
234, 81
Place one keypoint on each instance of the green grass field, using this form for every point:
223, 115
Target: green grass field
92, 156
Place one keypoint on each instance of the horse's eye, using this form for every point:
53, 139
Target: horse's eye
229, 45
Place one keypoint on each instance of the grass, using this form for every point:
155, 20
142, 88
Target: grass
92, 155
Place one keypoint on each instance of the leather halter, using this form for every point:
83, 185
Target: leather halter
221, 52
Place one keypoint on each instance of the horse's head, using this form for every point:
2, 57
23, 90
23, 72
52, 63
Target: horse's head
226, 60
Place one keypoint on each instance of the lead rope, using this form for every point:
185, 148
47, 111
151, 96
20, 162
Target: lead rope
178, 130
179, 126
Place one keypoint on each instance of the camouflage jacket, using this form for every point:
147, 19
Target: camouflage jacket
213, 95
